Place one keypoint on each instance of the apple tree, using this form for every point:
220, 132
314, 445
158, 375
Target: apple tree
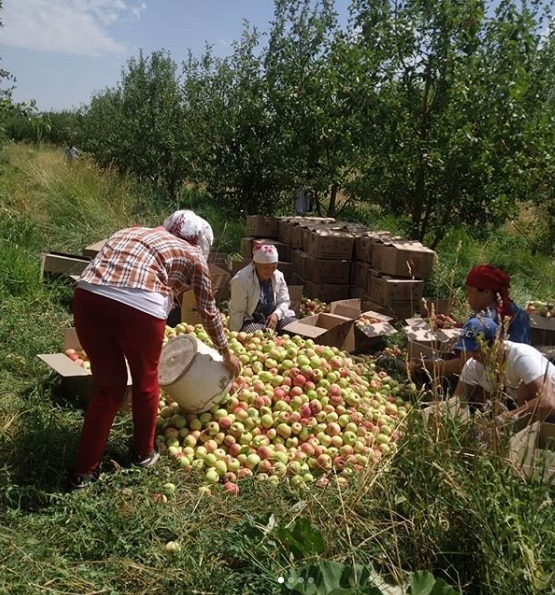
448, 83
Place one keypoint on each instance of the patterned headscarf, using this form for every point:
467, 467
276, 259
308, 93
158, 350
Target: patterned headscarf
190, 227
486, 276
264, 253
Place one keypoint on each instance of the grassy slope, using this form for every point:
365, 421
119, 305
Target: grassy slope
442, 505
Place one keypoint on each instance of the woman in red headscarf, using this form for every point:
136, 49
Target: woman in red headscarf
487, 293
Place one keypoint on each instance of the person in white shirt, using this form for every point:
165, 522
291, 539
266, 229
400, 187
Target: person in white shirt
515, 371
259, 295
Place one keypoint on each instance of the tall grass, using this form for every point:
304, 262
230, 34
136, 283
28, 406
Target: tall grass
441, 504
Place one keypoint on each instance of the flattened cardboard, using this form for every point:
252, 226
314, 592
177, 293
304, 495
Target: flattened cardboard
324, 329
532, 450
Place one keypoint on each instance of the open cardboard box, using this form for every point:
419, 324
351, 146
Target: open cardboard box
450, 408
426, 343
532, 450
92, 250
403, 258
363, 337
542, 330
76, 381
323, 328
220, 290
60, 264
295, 295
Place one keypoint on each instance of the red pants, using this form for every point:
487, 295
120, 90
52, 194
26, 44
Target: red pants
110, 332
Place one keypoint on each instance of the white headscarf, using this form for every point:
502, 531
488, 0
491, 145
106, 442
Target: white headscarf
264, 253
190, 227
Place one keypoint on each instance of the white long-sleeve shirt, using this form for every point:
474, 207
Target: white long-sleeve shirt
245, 293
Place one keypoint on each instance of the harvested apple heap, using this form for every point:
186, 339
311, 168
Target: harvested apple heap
546, 309
298, 409
366, 320
443, 321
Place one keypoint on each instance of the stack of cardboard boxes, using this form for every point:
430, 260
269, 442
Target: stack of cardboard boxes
337, 261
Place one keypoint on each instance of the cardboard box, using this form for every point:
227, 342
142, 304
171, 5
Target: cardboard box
321, 270
365, 241
542, 330
220, 259
532, 451
286, 225
76, 381
327, 292
403, 259
60, 264
299, 260
324, 329
450, 408
220, 289
92, 250
237, 265
307, 231
390, 291
363, 337
329, 243
296, 295
262, 226
423, 342
397, 313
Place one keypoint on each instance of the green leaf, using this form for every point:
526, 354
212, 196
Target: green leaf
424, 583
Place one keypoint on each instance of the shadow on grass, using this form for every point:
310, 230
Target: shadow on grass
37, 455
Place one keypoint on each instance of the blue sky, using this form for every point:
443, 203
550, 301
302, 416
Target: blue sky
62, 51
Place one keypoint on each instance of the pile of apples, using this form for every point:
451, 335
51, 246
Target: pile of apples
443, 321
366, 320
546, 309
79, 357
309, 307
298, 410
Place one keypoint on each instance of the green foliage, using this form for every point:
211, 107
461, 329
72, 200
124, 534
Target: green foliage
443, 515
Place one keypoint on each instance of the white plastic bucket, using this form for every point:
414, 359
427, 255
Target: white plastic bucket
193, 374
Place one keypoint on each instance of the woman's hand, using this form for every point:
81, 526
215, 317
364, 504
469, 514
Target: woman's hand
272, 321
232, 363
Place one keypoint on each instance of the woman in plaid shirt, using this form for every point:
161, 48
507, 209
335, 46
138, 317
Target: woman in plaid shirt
121, 304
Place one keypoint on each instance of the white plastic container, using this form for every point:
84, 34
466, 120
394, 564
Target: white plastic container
193, 374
